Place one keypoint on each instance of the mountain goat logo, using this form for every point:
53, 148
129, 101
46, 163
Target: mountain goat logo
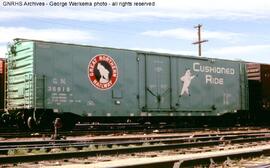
186, 80
102, 72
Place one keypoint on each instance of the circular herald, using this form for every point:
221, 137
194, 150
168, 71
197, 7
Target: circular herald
102, 72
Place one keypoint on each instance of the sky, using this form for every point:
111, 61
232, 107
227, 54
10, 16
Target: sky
235, 29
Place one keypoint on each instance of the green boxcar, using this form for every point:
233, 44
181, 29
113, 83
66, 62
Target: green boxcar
100, 81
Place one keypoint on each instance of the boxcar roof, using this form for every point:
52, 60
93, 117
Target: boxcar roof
138, 51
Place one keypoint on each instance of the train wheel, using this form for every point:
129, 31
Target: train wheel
20, 120
6, 119
31, 123
43, 119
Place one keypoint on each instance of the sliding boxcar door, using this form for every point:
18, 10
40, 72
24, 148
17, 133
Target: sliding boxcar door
158, 82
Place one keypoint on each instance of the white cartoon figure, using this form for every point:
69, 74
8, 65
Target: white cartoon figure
104, 73
186, 79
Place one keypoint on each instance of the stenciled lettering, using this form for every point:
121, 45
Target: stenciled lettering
210, 72
197, 67
209, 79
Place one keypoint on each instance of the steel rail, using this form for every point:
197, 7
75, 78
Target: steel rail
207, 159
125, 150
4, 133
5, 146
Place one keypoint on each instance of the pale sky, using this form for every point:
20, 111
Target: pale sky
236, 29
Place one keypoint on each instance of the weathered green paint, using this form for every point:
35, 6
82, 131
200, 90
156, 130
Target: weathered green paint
227, 93
20, 74
55, 76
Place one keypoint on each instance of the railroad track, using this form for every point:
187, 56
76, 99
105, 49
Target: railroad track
94, 129
14, 152
221, 158
90, 129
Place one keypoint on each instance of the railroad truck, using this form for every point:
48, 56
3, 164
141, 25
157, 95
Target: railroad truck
50, 79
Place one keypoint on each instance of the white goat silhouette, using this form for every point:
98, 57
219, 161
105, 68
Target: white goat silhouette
104, 73
186, 80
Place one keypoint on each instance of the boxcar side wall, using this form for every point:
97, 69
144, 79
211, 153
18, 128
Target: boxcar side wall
67, 83
190, 86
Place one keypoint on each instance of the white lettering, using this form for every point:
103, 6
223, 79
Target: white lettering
197, 67
209, 79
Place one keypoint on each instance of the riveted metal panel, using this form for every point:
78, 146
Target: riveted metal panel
209, 86
20, 63
68, 87
158, 82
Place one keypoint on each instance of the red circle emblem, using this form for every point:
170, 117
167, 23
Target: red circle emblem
102, 72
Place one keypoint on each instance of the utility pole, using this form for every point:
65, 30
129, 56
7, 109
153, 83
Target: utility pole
199, 42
